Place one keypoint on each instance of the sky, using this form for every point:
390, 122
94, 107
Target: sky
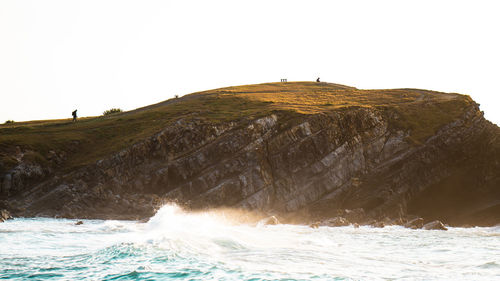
93, 55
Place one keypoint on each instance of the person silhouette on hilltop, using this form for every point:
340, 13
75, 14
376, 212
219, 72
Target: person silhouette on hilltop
74, 115
317, 80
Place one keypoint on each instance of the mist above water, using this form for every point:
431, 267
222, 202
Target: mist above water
214, 246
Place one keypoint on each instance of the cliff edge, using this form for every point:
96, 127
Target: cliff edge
300, 150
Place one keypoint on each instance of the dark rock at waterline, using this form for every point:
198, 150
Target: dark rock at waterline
378, 224
398, 221
79, 223
315, 225
415, 223
4, 215
272, 220
434, 225
336, 221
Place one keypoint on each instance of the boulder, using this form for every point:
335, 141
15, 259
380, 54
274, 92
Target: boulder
79, 223
415, 223
336, 221
436, 225
4, 215
398, 221
272, 220
378, 224
314, 225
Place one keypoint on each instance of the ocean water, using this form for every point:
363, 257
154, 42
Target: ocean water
175, 245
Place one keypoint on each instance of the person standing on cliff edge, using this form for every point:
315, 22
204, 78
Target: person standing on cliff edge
317, 80
74, 115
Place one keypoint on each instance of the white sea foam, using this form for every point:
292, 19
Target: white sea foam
210, 246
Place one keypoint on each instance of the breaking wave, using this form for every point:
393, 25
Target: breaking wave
214, 246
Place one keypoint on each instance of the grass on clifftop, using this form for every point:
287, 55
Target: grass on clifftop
90, 139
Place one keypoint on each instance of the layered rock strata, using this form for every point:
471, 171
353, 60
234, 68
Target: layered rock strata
299, 167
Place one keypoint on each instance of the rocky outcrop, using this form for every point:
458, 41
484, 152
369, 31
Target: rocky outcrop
303, 167
336, 221
415, 223
434, 225
272, 220
4, 215
24, 174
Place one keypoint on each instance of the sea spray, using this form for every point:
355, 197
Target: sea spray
188, 233
175, 244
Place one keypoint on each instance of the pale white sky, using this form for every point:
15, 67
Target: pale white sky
92, 55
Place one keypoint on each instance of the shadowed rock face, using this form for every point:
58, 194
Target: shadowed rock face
307, 166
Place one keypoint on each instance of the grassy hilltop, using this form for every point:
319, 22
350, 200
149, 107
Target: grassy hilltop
92, 138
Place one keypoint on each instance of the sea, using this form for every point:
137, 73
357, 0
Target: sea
178, 245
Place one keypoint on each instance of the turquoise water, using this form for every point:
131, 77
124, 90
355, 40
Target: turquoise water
209, 246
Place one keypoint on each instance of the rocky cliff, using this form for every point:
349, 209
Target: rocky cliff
300, 151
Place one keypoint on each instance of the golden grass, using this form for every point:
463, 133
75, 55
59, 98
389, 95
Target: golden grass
312, 97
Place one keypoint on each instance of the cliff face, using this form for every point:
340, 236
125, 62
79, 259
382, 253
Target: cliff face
301, 166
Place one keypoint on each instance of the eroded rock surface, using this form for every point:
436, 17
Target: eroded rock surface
415, 223
307, 166
434, 225
4, 215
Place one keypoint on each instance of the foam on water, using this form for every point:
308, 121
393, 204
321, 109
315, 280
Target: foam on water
211, 246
